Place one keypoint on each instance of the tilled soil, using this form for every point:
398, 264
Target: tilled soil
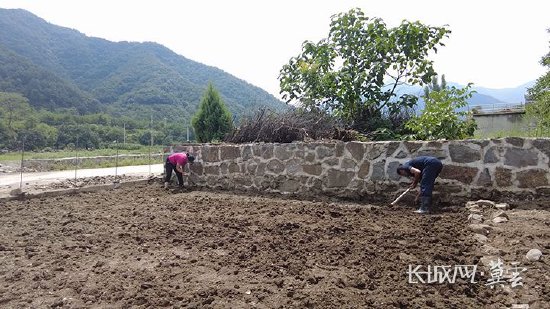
146, 247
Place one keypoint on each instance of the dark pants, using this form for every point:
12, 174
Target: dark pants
429, 174
168, 168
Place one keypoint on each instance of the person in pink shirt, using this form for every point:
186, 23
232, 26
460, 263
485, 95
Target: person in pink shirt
175, 162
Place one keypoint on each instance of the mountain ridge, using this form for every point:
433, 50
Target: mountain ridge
121, 73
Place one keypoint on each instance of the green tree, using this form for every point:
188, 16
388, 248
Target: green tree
538, 106
442, 117
13, 108
212, 121
435, 86
355, 71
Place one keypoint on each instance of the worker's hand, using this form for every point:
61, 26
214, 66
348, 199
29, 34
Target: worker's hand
413, 185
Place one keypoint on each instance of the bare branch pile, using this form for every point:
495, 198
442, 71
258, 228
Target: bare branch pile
293, 125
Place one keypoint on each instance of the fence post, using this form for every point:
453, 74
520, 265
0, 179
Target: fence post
21, 169
76, 159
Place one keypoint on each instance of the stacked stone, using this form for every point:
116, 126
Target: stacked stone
472, 168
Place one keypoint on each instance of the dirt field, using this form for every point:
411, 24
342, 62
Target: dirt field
144, 246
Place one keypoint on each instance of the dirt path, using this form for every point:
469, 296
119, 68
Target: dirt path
144, 246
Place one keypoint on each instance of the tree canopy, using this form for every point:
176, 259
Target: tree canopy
355, 71
539, 97
212, 121
444, 116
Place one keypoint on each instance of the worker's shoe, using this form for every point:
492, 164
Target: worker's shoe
166, 185
425, 205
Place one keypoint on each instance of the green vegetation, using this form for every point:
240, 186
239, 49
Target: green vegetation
353, 74
442, 118
539, 97
212, 121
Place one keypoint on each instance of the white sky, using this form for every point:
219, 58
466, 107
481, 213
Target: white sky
495, 44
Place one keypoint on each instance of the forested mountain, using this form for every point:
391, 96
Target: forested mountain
59, 67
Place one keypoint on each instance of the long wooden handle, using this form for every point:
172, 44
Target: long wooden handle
400, 197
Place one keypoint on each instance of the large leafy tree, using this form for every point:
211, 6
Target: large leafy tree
444, 116
539, 95
355, 71
213, 120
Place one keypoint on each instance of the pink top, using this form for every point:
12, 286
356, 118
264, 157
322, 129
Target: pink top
178, 158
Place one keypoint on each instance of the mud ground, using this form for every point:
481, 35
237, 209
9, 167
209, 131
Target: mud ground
146, 247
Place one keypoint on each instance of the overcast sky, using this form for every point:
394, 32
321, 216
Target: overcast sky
495, 44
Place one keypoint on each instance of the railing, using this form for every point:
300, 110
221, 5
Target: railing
498, 108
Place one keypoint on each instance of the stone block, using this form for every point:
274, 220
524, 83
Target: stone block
324, 151
196, 168
265, 151
234, 168
515, 141
482, 229
464, 154
247, 153
212, 170
391, 171
401, 155
378, 171
543, 145
312, 169
374, 150
348, 163
230, 152
336, 178
275, 166
532, 178
491, 155
518, 157
363, 170
412, 147
438, 153
356, 150
282, 153
293, 166
503, 176
260, 170
211, 154
289, 186
463, 174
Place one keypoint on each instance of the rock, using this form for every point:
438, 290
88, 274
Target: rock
502, 206
486, 203
500, 220
482, 229
533, 255
480, 238
475, 218
500, 213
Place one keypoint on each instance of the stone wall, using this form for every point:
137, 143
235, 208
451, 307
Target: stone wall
490, 169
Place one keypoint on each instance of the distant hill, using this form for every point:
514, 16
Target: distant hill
484, 97
57, 67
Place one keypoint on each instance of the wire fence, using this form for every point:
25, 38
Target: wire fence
70, 166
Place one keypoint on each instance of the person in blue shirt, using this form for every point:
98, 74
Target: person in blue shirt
424, 170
